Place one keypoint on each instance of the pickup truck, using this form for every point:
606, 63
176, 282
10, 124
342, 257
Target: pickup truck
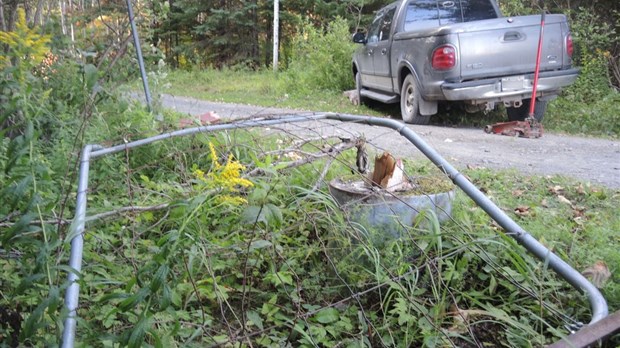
422, 52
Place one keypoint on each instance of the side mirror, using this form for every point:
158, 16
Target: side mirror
359, 38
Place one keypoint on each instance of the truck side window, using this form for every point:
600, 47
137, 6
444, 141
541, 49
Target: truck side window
386, 24
431, 13
380, 28
373, 31
474, 10
449, 12
421, 14
457, 11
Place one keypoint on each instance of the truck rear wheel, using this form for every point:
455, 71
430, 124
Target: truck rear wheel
521, 113
410, 102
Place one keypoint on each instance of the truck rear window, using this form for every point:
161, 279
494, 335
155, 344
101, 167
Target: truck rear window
426, 13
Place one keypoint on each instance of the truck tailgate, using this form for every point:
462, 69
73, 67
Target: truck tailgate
507, 46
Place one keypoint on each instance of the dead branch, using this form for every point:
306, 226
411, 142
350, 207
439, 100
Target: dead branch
305, 141
321, 178
330, 151
614, 63
96, 216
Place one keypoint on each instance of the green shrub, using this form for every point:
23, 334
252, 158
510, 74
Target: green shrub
515, 8
593, 81
597, 117
591, 105
321, 60
591, 35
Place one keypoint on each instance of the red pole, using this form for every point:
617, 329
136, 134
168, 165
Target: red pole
537, 69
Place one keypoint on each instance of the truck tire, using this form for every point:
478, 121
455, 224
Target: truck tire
410, 102
358, 88
521, 113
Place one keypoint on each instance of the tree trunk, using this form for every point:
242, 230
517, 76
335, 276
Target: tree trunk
71, 22
255, 42
2, 21
269, 43
48, 13
37, 14
27, 11
170, 37
61, 6
12, 15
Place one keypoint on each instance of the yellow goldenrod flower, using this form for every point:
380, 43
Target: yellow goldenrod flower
214, 160
224, 178
24, 43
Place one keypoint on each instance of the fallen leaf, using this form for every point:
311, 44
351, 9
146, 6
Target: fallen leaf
473, 166
544, 203
459, 320
556, 190
517, 193
579, 212
522, 210
580, 189
207, 118
461, 317
564, 200
496, 226
598, 273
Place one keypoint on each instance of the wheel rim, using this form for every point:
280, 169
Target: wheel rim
409, 100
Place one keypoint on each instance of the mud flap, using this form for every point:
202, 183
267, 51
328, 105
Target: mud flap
427, 107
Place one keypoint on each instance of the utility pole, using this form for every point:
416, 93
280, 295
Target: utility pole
136, 42
276, 25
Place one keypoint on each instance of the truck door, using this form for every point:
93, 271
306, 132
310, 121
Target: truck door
381, 57
374, 44
364, 60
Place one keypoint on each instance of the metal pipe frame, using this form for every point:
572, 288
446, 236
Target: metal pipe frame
598, 303
77, 246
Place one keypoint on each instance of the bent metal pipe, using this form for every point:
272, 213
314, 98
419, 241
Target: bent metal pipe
598, 303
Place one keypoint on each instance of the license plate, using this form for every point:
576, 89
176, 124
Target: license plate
513, 83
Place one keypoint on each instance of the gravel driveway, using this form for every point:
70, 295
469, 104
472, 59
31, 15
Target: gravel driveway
587, 159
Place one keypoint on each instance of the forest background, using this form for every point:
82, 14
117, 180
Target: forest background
216, 34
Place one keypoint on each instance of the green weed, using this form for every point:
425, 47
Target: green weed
288, 266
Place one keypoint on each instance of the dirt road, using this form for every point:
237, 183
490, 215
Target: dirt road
587, 159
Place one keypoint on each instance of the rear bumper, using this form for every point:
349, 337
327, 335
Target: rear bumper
509, 88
